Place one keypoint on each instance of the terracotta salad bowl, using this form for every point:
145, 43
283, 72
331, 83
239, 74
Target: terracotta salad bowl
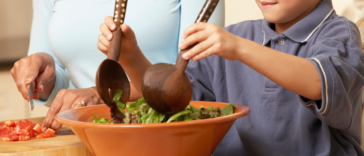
198, 137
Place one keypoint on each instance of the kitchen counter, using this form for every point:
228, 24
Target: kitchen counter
65, 143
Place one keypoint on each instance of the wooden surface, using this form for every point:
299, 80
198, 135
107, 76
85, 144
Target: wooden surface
64, 144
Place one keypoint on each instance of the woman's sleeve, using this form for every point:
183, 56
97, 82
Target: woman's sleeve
339, 60
39, 42
190, 10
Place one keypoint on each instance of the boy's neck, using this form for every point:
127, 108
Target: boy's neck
281, 27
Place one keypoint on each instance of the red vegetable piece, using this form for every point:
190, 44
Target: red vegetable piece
39, 136
24, 138
10, 123
48, 133
38, 129
5, 139
14, 138
25, 123
17, 129
2, 126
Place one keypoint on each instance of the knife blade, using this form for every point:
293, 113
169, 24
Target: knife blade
30, 93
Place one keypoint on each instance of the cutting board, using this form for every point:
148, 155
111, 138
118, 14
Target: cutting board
65, 143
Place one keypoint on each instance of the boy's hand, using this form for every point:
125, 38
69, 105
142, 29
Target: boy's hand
212, 40
128, 41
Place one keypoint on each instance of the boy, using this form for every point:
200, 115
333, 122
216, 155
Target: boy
300, 71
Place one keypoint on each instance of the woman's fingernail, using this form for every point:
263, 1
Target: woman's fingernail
41, 88
109, 36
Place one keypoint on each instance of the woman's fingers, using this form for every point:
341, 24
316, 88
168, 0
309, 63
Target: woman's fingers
106, 31
110, 23
69, 99
53, 110
103, 44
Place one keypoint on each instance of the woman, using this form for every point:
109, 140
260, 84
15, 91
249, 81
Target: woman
63, 59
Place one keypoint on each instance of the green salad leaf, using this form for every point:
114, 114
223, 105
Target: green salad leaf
141, 112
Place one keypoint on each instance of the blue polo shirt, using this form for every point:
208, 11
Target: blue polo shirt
282, 123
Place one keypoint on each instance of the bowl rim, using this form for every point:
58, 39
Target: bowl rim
243, 110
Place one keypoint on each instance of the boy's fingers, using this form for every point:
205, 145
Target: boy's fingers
110, 23
197, 49
194, 28
105, 31
194, 38
206, 53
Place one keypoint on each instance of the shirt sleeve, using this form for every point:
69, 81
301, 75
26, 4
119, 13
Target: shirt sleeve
338, 58
190, 10
39, 42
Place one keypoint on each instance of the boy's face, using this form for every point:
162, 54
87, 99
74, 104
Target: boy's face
285, 11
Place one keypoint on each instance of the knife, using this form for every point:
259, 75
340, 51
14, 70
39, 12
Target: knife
30, 93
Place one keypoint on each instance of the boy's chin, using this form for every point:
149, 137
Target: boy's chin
275, 19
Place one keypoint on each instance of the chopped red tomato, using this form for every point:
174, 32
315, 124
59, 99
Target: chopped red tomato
24, 138
22, 131
38, 129
5, 139
48, 133
10, 123
39, 136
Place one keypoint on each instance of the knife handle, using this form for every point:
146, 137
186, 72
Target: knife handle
115, 43
207, 10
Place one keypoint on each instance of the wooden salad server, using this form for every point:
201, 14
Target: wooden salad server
110, 75
166, 88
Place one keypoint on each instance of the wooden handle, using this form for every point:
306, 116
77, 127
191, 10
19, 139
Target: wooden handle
119, 12
207, 10
203, 16
115, 43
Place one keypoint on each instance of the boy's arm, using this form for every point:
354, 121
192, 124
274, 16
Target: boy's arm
296, 74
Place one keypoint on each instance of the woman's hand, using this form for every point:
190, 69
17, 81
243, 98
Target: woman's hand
128, 41
68, 99
212, 40
39, 68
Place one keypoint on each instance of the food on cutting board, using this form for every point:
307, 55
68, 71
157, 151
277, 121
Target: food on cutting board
22, 130
140, 112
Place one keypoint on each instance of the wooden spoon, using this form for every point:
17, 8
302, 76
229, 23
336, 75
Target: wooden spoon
166, 87
111, 76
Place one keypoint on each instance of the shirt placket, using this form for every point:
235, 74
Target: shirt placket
278, 43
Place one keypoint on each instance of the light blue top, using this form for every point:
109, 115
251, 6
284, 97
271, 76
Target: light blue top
69, 29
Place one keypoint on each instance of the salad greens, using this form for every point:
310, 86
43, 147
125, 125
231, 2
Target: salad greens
140, 112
